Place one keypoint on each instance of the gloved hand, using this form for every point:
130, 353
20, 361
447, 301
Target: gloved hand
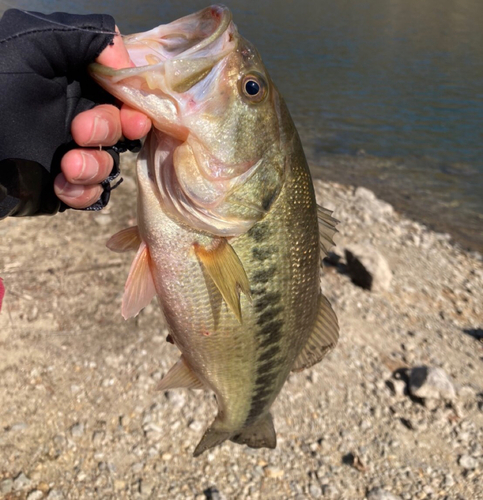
44, 86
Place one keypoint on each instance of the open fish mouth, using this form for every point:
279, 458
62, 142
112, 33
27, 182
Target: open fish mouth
176, 56
189, 78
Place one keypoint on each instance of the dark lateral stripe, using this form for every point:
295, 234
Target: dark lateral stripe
262, 254
270, 334
262, 395
269, 299
265, 380
256, 409
264, 275
259, 232
267, 366
271, 339
267, 316
269, 353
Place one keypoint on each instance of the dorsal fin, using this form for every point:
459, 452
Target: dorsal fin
327, 229
180, 376
323, 338
125, 240
139, 289
226, 270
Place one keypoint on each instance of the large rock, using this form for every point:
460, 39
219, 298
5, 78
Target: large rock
431, 383
368, 268
373, 206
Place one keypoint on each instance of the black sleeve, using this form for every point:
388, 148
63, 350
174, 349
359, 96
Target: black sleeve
43, 86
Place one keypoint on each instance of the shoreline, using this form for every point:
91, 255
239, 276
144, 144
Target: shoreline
376, 174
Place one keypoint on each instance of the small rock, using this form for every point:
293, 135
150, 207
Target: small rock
212, 493
315, 490
20, 426
430, 383
21, 482
55, 495
273, 472
146, 487
330, 491
77, 430
468, 462
6, 486
380, 494
448, 481
35, 495
176, 398
75, 389
368, 268
103, 220
397, 386
119, 484
137, 467
196, 426
98, 437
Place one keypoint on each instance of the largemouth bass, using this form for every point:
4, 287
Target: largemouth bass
227, 234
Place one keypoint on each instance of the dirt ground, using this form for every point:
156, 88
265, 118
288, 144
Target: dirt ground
80, 416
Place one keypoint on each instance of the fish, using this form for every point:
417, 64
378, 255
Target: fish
227, 233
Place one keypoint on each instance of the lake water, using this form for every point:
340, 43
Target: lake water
385, 93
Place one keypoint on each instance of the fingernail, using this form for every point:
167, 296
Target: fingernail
89, 169
70, 190
100, 130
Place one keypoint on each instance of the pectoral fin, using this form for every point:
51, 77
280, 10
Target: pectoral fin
226, 270
125, 240
180, 376
327, 229
139, 289
323, 338
259, 435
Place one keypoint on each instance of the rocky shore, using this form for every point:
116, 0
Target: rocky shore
394, 412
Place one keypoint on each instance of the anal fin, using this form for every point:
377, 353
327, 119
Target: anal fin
323, 338
139, 289
226, 270
259, 435
211, 438
125, 240
180, 376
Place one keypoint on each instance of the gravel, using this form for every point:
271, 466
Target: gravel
81, 416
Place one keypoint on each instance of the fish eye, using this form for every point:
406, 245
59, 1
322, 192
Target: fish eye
254, 87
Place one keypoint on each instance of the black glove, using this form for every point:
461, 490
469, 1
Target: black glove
43, 86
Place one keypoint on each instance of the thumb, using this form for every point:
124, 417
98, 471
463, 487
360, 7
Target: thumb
115, 55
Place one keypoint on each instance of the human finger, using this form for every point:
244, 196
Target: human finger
86, 166
134, 123
115, 55
99, 126
75, 195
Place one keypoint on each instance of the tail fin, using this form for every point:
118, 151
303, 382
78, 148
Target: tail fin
212, 437
259, 435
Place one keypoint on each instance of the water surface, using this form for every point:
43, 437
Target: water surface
385, 93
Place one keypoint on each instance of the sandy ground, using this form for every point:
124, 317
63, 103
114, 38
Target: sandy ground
80, 416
